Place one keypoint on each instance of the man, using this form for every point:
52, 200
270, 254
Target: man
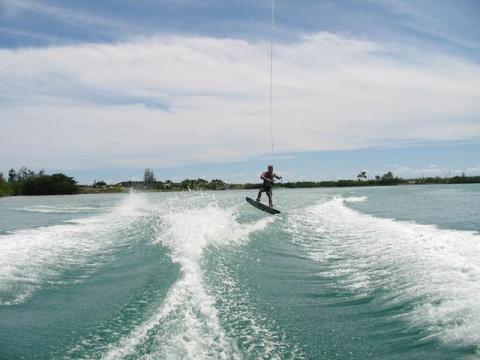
268, 178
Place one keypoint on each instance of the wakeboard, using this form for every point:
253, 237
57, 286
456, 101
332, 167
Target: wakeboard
261, 206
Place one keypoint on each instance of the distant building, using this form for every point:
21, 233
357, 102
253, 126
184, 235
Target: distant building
134, 184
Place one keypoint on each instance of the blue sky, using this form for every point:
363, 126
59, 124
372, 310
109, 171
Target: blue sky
105, 89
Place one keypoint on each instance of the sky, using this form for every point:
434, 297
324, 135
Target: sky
103, 90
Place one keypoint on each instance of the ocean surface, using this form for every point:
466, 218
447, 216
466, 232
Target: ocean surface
354, 273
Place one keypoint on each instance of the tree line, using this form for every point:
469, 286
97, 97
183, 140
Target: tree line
27, 182
150, 182
387, 179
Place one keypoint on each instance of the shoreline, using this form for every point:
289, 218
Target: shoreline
177, 187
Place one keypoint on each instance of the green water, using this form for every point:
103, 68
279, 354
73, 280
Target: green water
381, 273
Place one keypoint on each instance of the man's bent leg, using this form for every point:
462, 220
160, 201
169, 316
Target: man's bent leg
259, 194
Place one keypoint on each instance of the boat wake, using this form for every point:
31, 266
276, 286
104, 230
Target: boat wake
432, 273
30, 259
187, 323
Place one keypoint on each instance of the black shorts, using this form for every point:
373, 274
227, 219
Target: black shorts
266, 188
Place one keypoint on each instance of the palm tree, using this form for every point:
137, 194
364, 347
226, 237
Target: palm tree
362, 175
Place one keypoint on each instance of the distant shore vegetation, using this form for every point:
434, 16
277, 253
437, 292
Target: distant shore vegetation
27, 182
150, 183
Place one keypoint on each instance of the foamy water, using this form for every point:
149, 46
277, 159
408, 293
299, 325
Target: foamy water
33, 258
436, 270
186, 325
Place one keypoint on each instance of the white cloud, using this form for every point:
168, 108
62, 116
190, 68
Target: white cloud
175, 100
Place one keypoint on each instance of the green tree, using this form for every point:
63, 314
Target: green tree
362, 175
187, 184
12, 176
217, 184
388, 176
56, 184
22, 174
149, 177
389, 179
201, 184
99, 183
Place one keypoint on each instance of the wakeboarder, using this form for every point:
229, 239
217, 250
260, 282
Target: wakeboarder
268, 178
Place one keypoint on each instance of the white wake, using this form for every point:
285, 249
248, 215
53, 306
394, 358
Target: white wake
437, 270
33, 258
187, 325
